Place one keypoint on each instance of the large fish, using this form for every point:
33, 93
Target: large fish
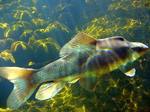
83, 58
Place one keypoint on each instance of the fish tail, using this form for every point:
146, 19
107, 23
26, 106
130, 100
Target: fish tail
23, 86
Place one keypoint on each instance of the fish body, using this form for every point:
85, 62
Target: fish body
80, 59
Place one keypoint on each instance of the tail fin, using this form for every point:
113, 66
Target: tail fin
23, 86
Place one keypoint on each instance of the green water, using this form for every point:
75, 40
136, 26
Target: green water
33, 31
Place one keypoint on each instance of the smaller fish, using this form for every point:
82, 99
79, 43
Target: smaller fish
82, 59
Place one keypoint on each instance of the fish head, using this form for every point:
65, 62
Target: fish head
112, 43
139, 49
134, 49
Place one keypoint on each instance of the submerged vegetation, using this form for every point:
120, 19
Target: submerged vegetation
37, 29
127, 18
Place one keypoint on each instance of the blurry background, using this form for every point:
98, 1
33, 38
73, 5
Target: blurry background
33, 31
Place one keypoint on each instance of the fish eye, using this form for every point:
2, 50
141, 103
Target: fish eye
120, 38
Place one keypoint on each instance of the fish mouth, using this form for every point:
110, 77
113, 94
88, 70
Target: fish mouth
139, 47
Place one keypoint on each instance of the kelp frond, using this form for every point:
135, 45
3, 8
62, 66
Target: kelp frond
45, 42
56, 25
7, 55
17, 44
4, 25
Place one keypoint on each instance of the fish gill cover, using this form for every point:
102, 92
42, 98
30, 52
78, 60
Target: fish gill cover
32, 33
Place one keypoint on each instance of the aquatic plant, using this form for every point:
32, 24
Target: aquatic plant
3, 25
45, 42
16, 44
7, 55
39, 21
105, 27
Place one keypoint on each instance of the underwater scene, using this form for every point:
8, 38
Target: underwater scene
49, 51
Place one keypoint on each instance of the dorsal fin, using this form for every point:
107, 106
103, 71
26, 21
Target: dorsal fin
79, 39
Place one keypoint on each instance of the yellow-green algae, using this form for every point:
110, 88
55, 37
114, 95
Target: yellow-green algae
114, 92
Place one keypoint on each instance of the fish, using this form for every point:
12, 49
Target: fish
81, 60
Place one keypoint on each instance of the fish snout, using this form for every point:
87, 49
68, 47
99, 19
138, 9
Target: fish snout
139, 47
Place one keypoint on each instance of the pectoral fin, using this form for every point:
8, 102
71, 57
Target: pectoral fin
49, 90
128, 69
129, 72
